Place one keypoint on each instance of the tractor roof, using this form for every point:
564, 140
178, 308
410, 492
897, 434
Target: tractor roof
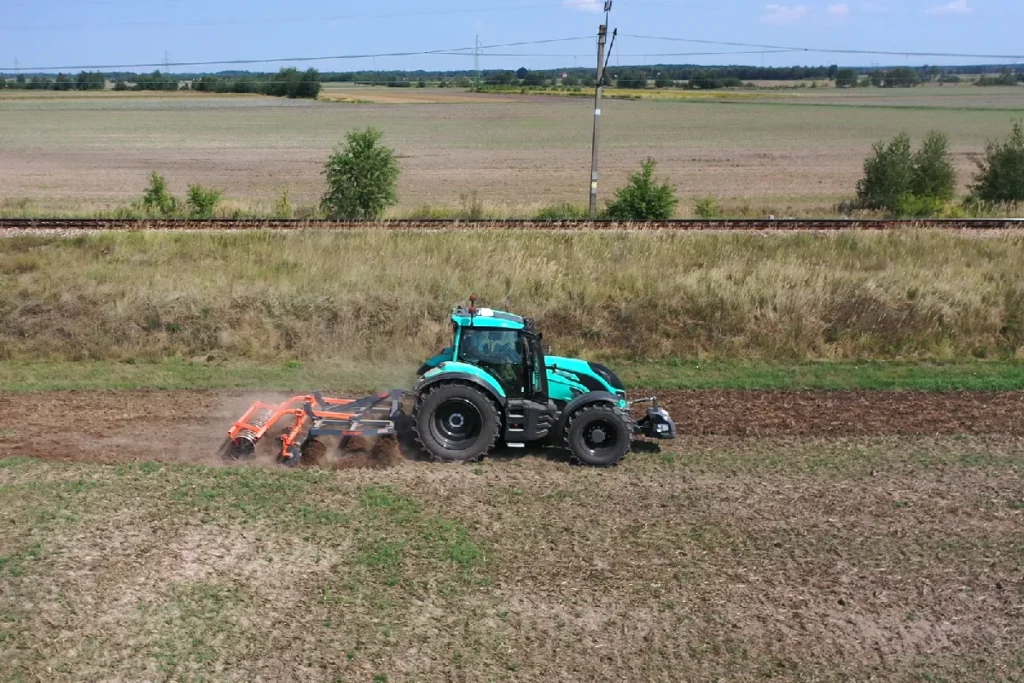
487, 318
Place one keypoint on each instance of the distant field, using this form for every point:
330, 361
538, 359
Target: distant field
779, 152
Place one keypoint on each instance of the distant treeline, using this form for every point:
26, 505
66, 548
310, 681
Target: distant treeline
86, 80
285, 83
294, 83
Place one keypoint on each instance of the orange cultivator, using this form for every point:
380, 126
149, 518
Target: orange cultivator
312, 417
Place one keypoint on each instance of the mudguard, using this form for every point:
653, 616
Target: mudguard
463, 372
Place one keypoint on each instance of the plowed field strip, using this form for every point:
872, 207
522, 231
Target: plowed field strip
188, 426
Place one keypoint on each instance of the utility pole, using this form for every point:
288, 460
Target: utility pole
476, 60
602, 38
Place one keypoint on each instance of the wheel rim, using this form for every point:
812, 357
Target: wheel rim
456, 423
601, 439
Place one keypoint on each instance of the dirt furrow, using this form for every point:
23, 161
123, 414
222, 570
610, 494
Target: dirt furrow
189, 426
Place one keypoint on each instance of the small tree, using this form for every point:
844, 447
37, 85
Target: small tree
642, 198
1000, 175
633, 79
362, 178
934, 173
846, 78
888, 175
202, 201
157, 199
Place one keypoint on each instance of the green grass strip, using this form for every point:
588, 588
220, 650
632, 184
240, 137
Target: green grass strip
20, 377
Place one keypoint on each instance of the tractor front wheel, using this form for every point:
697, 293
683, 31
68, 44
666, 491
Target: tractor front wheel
598, 435
456, 422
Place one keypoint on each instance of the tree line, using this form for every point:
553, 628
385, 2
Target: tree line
86, 80
290, 83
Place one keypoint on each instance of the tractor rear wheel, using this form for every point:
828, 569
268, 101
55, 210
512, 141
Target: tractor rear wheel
598, 435
456, 422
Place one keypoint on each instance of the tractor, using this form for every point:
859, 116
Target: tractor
494, 384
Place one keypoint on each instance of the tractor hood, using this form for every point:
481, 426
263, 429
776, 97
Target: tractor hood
572, 377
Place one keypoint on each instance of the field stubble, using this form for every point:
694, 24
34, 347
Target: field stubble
73, 155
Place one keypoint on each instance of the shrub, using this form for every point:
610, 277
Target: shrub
846, 78
902, 182
283, 208
362, 178
202, 201
888, 174
157, 199
707, 208
633, 79
914, 206
1000, 175
642, 198
291, 83
934, 173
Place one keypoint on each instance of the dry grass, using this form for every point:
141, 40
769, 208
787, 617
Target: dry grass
379, 296
732, 559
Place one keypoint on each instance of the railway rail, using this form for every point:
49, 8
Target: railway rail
744, 224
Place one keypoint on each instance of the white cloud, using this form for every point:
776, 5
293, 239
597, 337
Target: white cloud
781, 15
842, 10
584, 5
955, 7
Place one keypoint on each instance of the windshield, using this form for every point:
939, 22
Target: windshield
500, 352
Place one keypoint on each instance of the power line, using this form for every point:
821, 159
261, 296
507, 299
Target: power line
786, 48
619, 54
459, 51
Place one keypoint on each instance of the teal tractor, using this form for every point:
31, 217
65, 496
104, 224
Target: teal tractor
495, 384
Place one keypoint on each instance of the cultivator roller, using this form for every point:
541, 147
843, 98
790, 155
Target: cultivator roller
312, 417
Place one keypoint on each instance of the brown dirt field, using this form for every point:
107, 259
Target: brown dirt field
190, 426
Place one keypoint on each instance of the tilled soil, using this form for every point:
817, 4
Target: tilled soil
190, 426
845, 413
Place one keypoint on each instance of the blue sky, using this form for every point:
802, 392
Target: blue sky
110, 32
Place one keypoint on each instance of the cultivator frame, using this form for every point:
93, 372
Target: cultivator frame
314, 416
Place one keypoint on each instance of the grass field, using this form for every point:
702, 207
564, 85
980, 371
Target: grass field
782, 154
384, 296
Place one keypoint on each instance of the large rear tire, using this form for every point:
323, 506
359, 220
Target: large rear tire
456, 422
598, 435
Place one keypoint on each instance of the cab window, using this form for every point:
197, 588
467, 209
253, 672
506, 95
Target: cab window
500, 352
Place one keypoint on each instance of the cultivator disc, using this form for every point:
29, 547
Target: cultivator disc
312, 417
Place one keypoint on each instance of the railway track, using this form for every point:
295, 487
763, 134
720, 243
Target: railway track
745, 224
